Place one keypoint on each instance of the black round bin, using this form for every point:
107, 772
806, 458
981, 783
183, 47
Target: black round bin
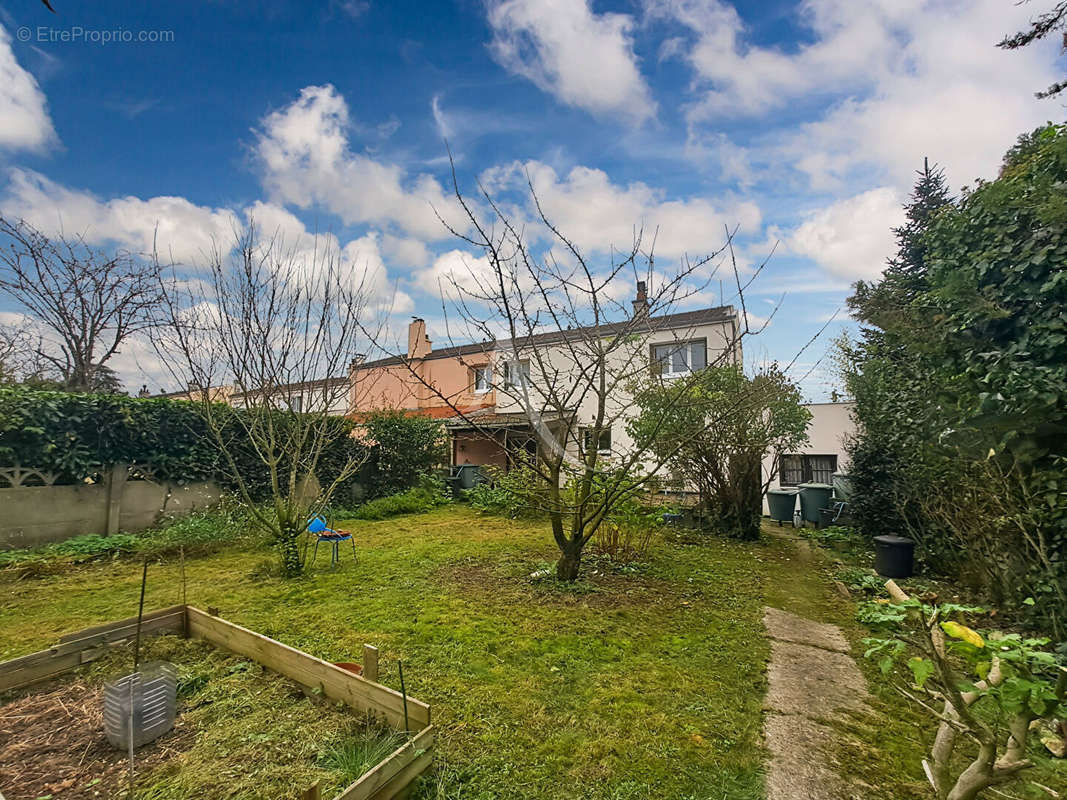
894, 556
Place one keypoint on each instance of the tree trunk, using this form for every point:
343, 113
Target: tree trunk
290, 552
569, 564
1019, 730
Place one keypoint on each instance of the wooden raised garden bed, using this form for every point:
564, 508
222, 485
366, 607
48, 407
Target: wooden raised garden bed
390, 778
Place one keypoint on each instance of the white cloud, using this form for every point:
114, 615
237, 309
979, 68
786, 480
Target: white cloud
457, 268
407, 252
585, 60
24, 120
851, 238
360, 259
306, 158
597, 214
851, 47
890, 81
178, 228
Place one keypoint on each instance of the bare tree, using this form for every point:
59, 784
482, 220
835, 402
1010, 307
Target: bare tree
568, 354
90, 302
15, 344
269, 328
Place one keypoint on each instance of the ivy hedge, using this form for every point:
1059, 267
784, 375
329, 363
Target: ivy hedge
74, 435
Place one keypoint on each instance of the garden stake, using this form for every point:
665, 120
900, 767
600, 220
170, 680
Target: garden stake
404, 694
136, 663
140, 615
181, 560
185, 602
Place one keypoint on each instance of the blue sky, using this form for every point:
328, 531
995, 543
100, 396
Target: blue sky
802, 123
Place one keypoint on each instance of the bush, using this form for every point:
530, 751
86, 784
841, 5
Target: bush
428, 495
513, 494
74, 435
628, 534
403, 449
960, 385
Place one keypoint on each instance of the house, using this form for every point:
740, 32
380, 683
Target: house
824, 453
331, 394
309, 397
489, 393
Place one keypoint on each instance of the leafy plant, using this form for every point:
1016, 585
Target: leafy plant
403, 447
831, 534
515, 493
860, 580
959, 382
715, 430
629, 533
428, 495
199, 532
984, 686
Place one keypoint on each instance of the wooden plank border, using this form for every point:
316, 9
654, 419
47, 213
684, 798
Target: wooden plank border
81, 647
396, 772
389, 779
337, 684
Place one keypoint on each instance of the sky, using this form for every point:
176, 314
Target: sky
799, 124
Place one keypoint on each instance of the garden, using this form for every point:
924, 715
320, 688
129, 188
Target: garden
642, 679
572, 634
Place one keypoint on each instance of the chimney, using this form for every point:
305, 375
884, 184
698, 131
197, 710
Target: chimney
418, 341
641, 301
356, 361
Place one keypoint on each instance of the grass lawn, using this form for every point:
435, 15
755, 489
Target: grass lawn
626, 686
644, 685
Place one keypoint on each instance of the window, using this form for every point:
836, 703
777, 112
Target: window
516, 374
807, 469
680, 358
483, 379
603, 446
297, 403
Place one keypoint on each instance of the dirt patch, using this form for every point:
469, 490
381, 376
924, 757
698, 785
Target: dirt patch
599, 587
52, 744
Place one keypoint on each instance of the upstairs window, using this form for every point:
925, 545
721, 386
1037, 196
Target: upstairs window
602, 443
483, 379
680, 358
516, 374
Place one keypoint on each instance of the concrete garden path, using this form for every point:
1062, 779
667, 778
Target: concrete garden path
812, 682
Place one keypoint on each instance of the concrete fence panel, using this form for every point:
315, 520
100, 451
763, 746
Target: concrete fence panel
31, 516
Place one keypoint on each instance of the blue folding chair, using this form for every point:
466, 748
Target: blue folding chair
317, 527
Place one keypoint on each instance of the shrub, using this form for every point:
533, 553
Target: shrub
199, 532
428, 495
403, 449
73, 435
512, 494
628, 534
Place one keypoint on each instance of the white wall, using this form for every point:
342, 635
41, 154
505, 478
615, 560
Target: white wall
830, 424
632, 357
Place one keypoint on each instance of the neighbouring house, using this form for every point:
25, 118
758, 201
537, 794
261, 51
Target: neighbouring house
330, 394
218, 394
824, 453
494, 428
308, 397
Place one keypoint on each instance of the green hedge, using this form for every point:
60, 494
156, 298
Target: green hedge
73, 435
